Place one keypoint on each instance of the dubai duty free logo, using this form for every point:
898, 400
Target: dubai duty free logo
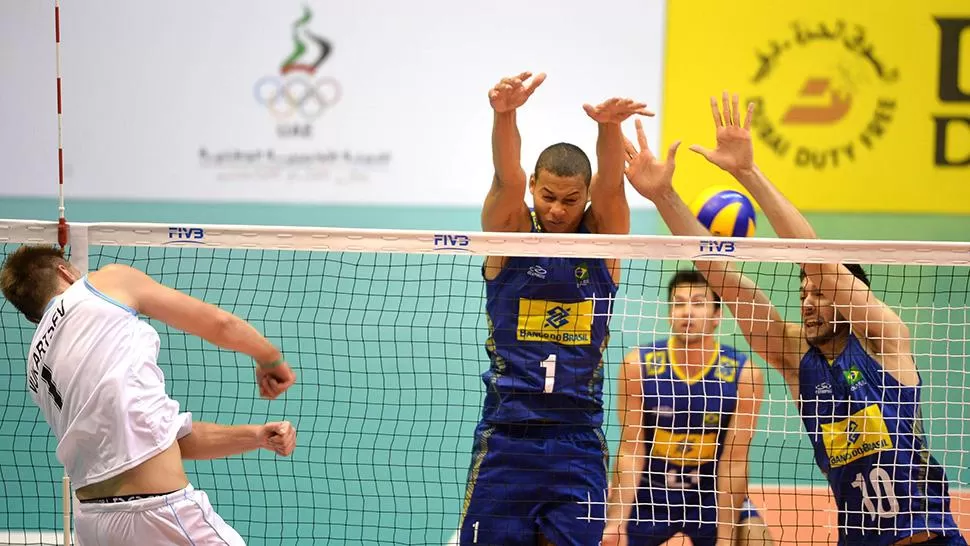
299, 95
824, 95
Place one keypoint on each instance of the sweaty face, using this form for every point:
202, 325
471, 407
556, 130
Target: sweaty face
693, 313
818, 314
560, 201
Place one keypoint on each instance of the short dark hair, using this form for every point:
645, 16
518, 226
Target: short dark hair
28, 278
690, 276
564, 159
856, 270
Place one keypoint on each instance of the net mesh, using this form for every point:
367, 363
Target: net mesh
389, 351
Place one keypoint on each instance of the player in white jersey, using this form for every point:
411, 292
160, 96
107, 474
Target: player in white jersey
91, 368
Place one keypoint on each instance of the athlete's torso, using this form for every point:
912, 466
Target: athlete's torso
686, 420
92, 371
867, 434
548, 322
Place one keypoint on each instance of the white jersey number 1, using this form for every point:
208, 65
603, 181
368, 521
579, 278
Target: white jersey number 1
549, 364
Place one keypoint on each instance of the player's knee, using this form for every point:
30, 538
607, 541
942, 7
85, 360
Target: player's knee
752, 531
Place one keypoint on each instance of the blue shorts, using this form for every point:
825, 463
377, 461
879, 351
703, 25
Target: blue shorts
748, 511
654, 525
946, 541
527, 480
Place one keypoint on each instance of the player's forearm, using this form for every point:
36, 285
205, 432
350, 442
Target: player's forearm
238, 335
677, 215
786, 220
507, 150
610, 157
626, 478
681, 221
725, 523
732, 488
212, 441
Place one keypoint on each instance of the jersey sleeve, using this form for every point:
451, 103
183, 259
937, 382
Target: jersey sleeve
186, 427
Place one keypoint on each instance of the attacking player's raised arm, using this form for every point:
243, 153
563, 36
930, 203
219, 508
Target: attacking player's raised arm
183, 312
630, 457
609, 211
780, 343
732, 469
505, 208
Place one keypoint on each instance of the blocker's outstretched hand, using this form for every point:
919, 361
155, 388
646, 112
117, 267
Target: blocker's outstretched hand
734, 151
647, 174
616, 110
511, 93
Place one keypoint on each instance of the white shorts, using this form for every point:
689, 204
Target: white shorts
182, 517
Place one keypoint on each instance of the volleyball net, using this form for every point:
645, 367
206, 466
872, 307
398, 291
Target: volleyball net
386, 331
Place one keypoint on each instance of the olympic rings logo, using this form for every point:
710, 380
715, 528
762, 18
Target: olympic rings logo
297, 94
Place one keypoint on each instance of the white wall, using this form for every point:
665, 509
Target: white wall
148, 86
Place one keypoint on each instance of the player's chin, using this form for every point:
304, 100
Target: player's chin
693, 333
817, 333
556, 227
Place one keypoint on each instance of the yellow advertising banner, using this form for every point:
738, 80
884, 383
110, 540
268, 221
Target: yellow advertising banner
859, 106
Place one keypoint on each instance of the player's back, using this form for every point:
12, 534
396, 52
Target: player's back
548, 324
867, 433
92, 370
685, 420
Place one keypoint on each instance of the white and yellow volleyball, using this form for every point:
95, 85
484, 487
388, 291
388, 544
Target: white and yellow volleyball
725, 212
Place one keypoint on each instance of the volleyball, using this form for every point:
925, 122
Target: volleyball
725, 212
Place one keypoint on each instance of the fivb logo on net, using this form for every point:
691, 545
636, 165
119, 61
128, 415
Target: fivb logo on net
714, 247
298, 96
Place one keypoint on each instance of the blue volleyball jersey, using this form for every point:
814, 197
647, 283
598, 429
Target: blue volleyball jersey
686, 420
867, 433
548, 321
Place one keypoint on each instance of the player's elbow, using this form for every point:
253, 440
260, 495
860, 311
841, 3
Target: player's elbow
224, 326
761, 345
630, 455
896, 329
733, 478
188, 446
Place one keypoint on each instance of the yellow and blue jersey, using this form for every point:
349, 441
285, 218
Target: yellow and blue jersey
686, 419
539, 458
548, 322
867, 433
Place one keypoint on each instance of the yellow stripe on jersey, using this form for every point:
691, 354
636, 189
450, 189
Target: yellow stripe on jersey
862, 434
716, 359
555, 322
684, 449
727, 369
656, 362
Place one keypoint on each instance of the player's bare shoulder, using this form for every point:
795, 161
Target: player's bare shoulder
116, 281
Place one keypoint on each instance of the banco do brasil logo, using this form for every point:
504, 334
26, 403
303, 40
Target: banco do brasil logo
823, 95
299, 95
557, 317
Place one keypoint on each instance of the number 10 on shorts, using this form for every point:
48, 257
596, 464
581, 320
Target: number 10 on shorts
549, 364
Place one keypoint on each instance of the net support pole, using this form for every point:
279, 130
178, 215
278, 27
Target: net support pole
63, 234
62, 227
67, 500
79, 259
79, 247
